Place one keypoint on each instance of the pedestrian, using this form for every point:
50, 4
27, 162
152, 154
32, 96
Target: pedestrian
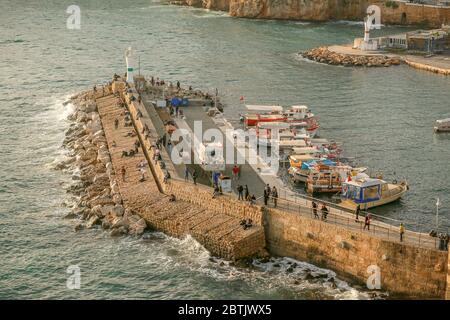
186, 174
358, 210
169, 147
324, 211
446, 239
246, 193
402, 231
164, 138
240, 190
314, 207
266, 194
235, 172
367, 222
274, 196
116, 123
124, 172
194, 176
178, 85
216, 191
252, 200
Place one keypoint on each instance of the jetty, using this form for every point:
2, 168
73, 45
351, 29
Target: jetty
126, 187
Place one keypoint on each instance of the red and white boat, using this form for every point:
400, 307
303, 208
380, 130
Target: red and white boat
297, 116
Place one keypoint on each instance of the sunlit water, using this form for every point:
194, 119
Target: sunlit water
383, 117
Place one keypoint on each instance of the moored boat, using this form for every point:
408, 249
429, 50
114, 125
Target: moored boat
370, 192
442, 125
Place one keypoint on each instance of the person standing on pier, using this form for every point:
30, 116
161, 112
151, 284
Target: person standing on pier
274, 196
367, 222
246, 193
358, 210
194, 176
235, 172
402, 231
266, 194
314, 207
169, 147
124, 172
240, 191
324, 211
186, 174
178, 85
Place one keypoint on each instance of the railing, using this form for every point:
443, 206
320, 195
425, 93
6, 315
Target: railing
381, 227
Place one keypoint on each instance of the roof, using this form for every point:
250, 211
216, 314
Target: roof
254, 107
443, 121
301, 157
292, 143
305, 150
270, 125
363, 180
302, 107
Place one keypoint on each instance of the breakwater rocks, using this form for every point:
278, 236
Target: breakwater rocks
98, 201
324, 55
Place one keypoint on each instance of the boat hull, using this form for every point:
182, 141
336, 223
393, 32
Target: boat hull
349, 204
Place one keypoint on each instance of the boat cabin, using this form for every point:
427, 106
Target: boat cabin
363, 190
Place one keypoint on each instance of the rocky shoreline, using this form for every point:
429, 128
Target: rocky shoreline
324, 55
98, 199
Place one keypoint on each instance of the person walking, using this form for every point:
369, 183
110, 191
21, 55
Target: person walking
314, 207
240, 190
367, 222
124, 172
274, 196
266, 194
178, 85
186, 174
169, 147
357, 212
246, 193
116, 123
324, 211
235, 172
402, 231
194, 177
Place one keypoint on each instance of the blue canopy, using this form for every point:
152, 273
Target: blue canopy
175, 101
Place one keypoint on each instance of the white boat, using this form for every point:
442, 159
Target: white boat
370, 192
442, 125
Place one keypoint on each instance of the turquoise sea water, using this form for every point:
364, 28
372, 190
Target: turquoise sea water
383, 117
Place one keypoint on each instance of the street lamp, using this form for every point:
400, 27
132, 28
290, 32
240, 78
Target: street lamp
438, 203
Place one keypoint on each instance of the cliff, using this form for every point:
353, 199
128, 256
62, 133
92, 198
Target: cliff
325, 10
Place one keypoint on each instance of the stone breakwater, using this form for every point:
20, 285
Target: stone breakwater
126, 194
324, 55
99, 200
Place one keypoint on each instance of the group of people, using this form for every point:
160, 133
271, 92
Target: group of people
323, 210
270, 193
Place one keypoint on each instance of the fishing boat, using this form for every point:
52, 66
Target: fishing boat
328, 178
300, 166
370, 192
262, 113
442, 125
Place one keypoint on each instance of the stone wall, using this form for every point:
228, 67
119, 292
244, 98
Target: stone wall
405, 270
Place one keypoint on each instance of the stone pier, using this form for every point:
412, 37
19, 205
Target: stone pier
215, 223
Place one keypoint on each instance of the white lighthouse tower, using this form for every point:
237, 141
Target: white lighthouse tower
130, 58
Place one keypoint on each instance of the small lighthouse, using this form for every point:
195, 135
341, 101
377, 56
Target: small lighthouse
131, 63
